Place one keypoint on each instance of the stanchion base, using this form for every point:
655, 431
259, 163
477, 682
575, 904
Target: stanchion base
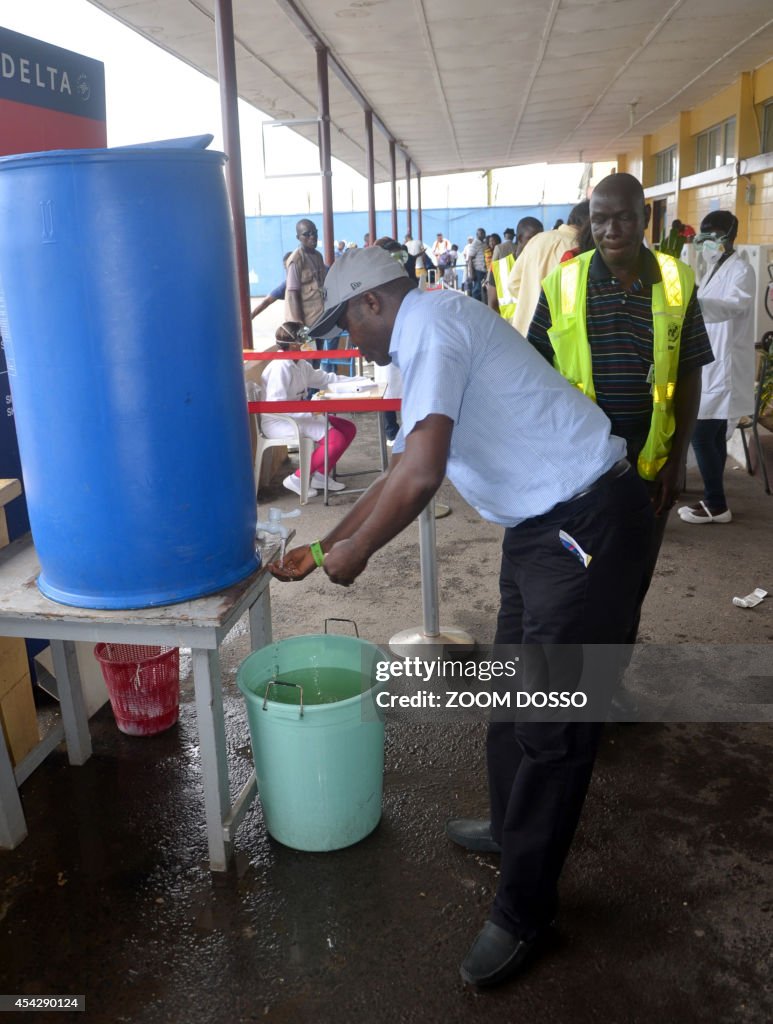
406, 642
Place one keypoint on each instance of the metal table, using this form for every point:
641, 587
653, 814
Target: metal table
201, 625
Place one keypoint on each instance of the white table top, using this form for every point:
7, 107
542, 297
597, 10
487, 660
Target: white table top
200, 623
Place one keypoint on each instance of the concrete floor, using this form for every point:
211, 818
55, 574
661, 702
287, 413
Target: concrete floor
667, 913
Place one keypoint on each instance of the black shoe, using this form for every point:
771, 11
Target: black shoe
472, 835
495, 956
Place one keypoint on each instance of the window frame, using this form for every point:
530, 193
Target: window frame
715, 146
767, 127
665, 165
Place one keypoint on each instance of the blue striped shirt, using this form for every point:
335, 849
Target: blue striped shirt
524, 439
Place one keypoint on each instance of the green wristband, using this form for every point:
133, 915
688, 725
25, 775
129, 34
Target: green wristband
317, 553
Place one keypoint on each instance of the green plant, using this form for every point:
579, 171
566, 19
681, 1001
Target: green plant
672, 243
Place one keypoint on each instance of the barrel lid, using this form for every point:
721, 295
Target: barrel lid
192, 147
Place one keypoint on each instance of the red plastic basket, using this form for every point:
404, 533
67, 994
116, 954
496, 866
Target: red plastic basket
143, 684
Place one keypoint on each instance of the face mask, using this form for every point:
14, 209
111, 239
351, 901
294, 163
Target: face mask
712, 250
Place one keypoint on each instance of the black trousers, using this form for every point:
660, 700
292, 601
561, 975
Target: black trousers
552, 607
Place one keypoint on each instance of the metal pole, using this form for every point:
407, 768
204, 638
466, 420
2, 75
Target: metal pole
325, 167
393, 172
418, 203
429, 585
409, 222
431, 632
371, 166
229, 107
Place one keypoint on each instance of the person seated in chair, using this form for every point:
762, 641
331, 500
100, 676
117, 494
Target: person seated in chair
288, 380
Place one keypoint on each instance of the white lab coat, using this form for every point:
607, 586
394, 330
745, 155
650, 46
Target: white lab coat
288, 380
727, 304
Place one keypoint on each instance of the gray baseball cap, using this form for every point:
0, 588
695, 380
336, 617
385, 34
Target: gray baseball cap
357, 271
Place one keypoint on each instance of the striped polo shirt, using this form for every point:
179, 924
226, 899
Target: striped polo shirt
619, 324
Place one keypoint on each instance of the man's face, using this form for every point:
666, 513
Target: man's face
307, 234
481, 234
617, 222
367, 330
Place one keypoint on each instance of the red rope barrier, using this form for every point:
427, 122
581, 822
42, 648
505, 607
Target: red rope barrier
329, 405
326, 353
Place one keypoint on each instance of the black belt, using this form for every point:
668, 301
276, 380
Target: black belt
619, 469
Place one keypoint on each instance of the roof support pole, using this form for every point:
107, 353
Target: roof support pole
325, 168
409, 220
229, 98
418, 203
371, 168
393, 186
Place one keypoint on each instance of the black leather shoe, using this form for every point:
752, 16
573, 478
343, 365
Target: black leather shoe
472, 834
495, 956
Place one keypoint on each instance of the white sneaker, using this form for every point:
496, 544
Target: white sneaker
293, 483
318, 480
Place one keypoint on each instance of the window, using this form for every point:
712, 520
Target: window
665, 166
767, 128
716, 146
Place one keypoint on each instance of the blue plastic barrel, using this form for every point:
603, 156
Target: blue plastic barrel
120, 318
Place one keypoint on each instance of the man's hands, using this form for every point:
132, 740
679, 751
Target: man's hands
668, 486
296, 565
343, 563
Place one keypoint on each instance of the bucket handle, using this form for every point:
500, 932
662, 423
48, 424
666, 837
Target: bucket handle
278, 682
351, 621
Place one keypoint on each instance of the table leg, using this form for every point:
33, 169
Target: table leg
382, 449
71, 704
327, 468
13, 827
260, 620
214, 759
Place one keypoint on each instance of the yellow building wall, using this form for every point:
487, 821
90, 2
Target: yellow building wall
744, 100
665, 137
697, 202
763, 83
715, 110
760, 223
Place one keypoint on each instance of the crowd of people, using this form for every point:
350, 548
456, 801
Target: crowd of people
507, 273
559, 389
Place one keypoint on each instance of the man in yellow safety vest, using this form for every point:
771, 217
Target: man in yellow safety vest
500, 298
623, 324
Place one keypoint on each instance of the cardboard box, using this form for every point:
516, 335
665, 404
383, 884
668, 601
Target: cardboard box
13, 662
19, 719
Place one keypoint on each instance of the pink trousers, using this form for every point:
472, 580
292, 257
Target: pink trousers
340, 435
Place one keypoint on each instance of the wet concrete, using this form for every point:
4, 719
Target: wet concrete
666, 913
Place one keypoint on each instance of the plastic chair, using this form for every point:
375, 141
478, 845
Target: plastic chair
294, 437
764, 392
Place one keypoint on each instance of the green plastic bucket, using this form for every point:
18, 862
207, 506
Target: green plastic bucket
320, 772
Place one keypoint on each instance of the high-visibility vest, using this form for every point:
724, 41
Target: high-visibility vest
566, 290
501, 271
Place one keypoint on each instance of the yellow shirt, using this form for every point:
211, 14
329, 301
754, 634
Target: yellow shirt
540, 255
